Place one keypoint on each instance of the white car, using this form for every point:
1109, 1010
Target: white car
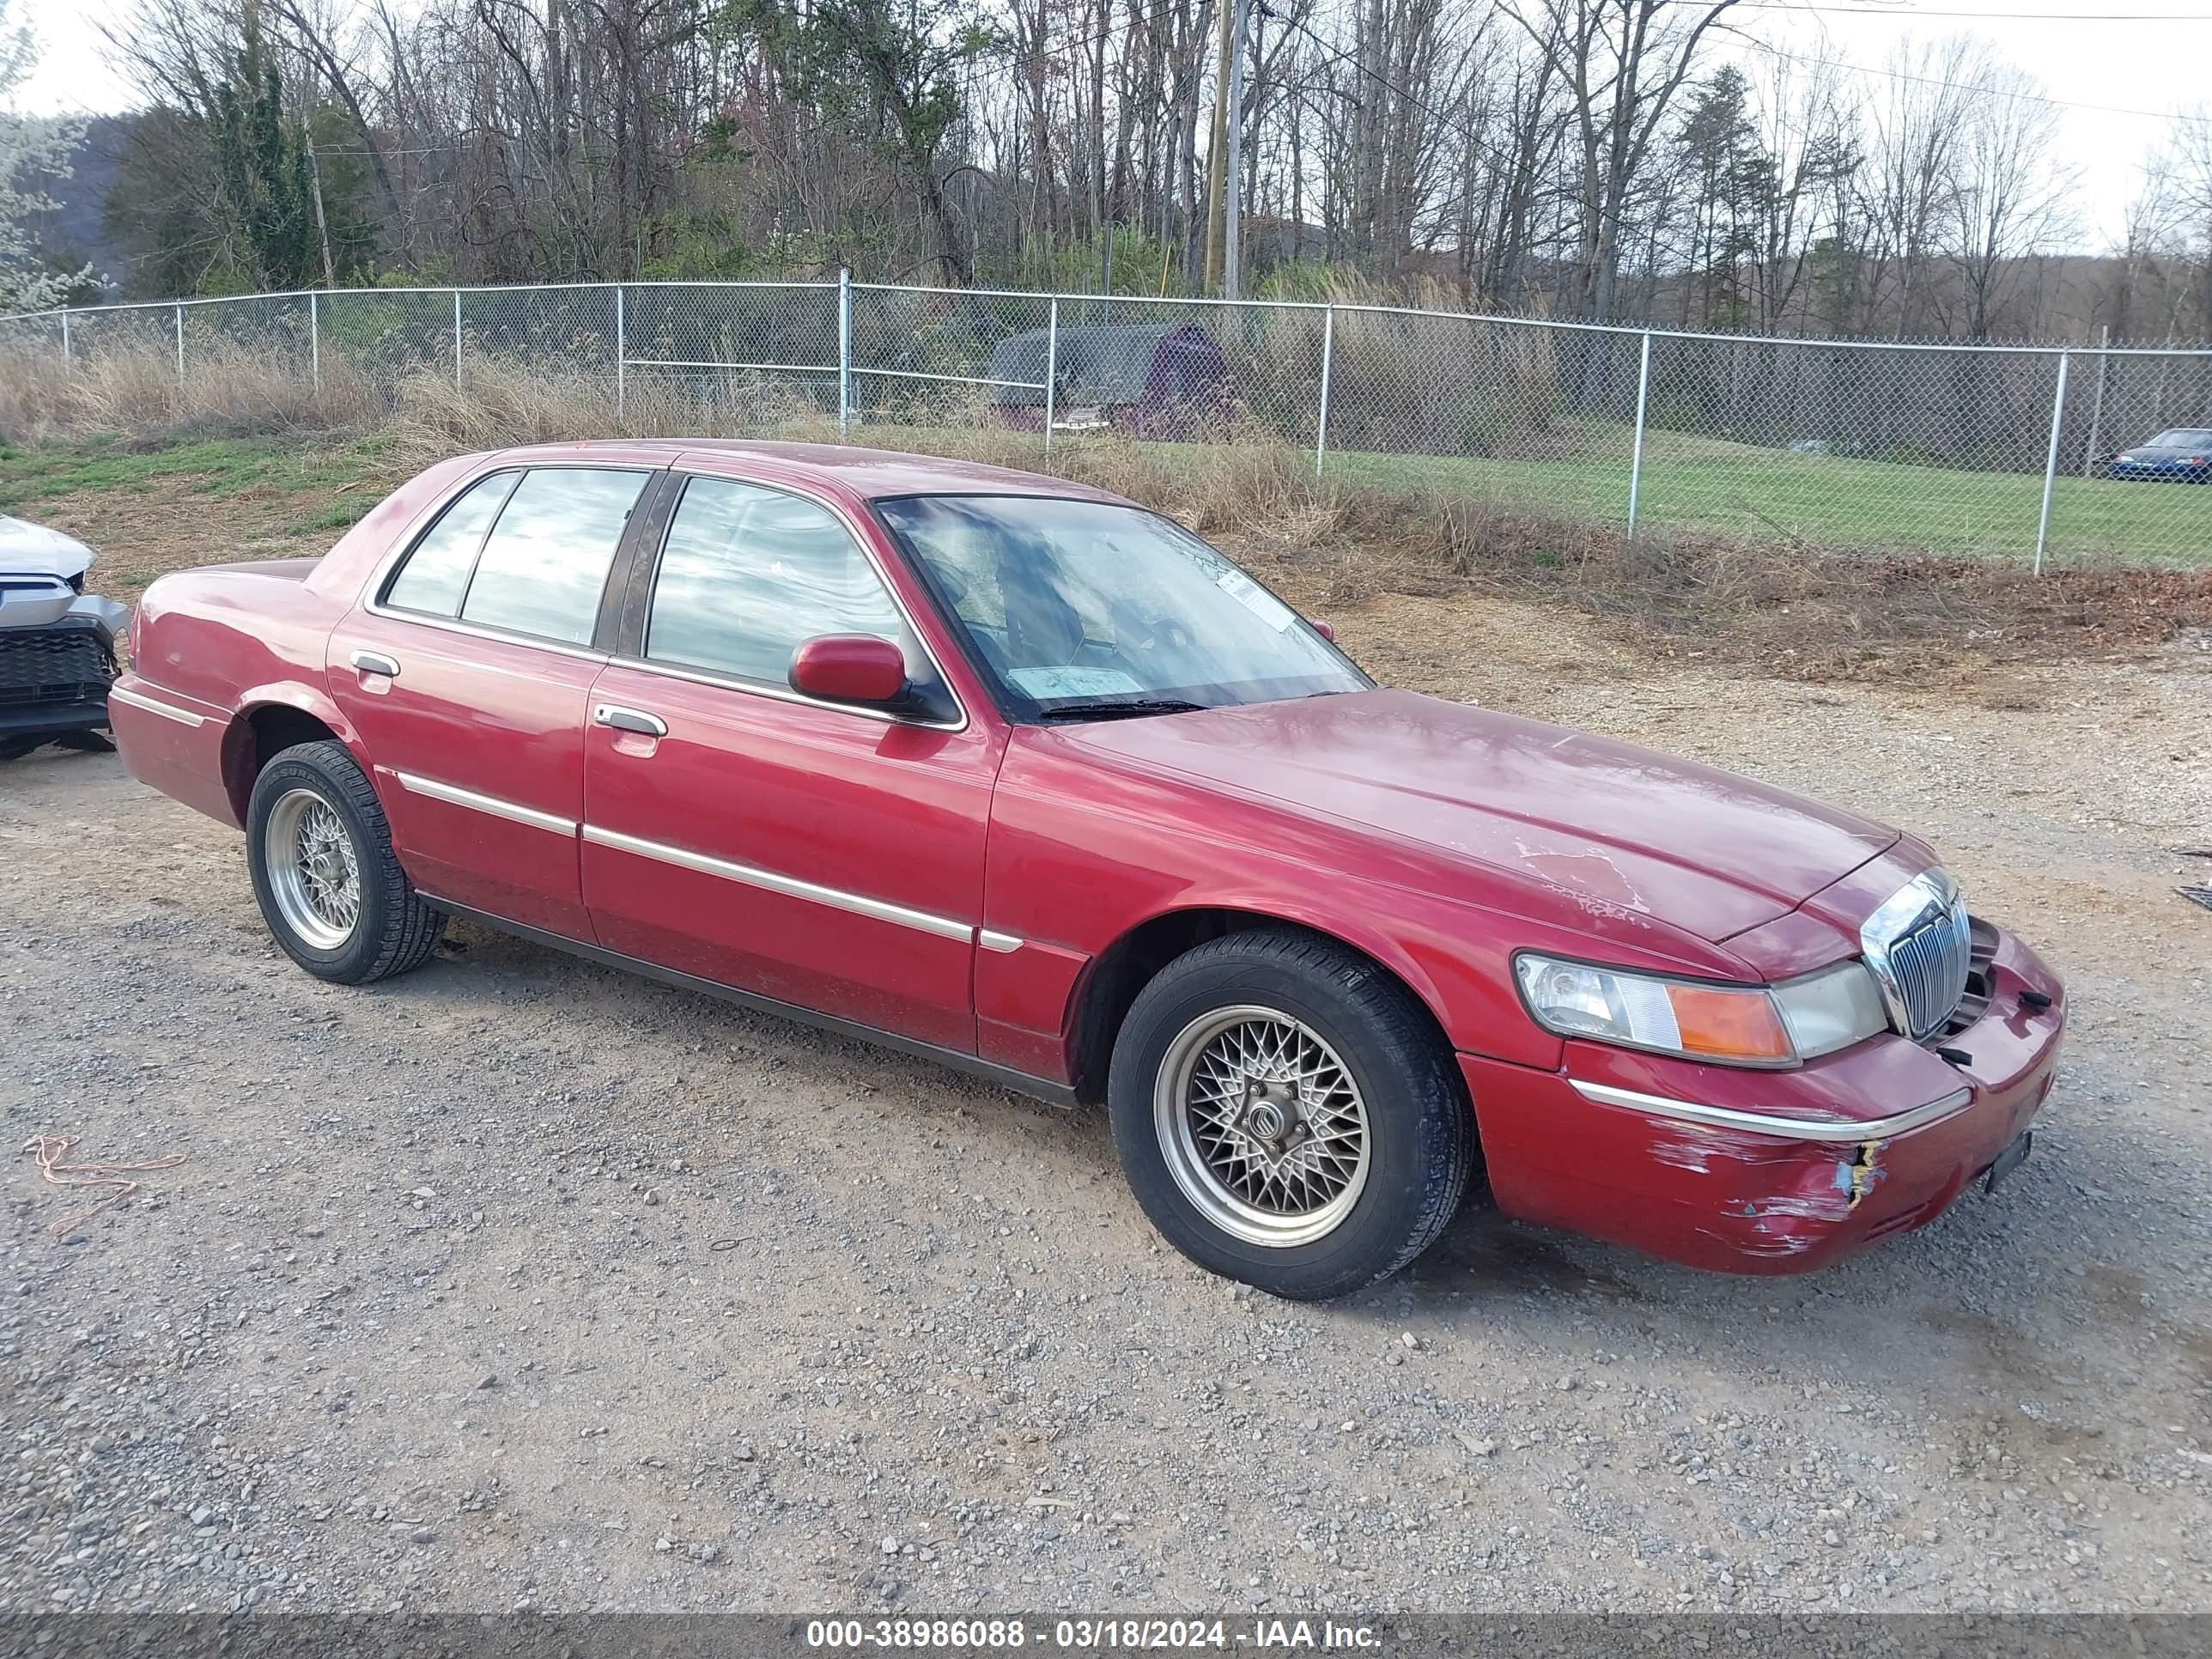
56, 642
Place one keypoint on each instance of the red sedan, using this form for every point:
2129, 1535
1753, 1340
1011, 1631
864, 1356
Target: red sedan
1024, 778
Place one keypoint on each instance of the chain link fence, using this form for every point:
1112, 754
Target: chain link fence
2043, 454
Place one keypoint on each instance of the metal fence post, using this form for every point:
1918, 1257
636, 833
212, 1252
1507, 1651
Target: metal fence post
1328, 357
2050, 462
2097, 408
180, 346
844, 350
315, 340
1051, 368
621, 356
69, 355
457, 339
1636, 456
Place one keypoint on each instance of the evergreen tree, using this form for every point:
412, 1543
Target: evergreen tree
1733, 182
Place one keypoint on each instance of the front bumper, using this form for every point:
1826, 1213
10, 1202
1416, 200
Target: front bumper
2157, 472
54, 677
1769, 1172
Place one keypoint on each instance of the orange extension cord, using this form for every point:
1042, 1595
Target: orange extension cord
51, 1150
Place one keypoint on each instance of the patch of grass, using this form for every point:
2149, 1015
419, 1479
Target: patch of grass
220, 468
340, 515
1750, 496
1828, 501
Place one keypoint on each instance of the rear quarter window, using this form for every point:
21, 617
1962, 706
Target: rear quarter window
436, 577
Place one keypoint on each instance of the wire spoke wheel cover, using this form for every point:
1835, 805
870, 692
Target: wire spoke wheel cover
315, 873
1262, 1126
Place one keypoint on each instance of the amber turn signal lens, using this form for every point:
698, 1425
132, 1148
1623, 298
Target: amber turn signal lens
1737, 1025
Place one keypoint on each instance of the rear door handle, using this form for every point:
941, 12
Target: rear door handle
630, 719
375, 662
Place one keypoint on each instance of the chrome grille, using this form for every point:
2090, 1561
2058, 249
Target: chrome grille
1920, 944
1930, 964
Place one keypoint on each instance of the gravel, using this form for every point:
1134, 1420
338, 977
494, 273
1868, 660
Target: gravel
517, 1283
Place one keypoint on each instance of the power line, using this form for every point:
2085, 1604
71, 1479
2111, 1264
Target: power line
1961, 86
1908, 13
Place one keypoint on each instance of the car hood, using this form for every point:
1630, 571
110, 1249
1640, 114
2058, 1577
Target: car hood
31, 550
1598, 824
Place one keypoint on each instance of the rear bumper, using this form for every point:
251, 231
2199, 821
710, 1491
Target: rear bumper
174, 743
1768, 1172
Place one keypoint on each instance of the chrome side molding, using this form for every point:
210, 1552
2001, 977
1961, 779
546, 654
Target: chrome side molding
790, 886
1778, 1124
155, 705
513, 811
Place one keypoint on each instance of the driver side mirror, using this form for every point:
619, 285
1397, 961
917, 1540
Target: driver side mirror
849, 668
1321, 628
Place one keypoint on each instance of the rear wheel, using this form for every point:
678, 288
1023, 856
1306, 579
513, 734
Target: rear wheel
324, 872
1287, 1116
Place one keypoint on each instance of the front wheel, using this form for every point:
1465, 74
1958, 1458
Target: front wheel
1287, 1116
324, 874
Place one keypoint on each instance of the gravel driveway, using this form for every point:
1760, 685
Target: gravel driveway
516, 1282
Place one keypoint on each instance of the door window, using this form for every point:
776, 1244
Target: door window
545, 563
524, 551
749, 574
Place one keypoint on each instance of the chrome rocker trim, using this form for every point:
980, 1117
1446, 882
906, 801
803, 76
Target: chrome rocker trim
453, 795
152, 706
789, 886
1776, 1123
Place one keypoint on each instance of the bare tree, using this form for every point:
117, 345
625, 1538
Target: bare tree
1623, 61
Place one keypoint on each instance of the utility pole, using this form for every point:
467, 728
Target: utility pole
1217, 150
322, 226
1232, 213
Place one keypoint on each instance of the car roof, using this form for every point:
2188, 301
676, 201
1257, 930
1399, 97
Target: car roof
867, 474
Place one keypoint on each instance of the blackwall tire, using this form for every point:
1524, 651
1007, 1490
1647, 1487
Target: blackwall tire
1287, 1116
324, 872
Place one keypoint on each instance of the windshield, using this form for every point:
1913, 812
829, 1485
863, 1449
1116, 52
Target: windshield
2182, 437
1084, 609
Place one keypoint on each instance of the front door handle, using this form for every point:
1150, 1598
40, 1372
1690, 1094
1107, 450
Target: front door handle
630, 719
375, 662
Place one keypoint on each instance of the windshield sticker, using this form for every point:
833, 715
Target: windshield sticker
1046, 683
1256, 599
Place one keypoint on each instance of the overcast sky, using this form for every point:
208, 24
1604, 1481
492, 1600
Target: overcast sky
2102, 65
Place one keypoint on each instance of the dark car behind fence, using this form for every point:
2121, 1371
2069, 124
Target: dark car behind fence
1151, 380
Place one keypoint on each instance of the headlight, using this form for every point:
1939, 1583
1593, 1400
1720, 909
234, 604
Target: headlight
1832, 1009
1736, 1025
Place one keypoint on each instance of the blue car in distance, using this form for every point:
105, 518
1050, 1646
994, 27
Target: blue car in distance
2181, 455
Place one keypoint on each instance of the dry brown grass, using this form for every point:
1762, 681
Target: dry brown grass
1812, 611
227, 390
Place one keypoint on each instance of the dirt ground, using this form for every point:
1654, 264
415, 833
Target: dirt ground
515, 1282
